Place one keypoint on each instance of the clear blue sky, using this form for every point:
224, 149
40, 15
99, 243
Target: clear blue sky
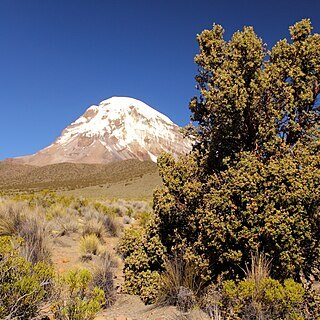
58, 57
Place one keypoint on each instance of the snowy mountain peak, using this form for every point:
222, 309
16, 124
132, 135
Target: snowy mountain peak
118, 128
125, 103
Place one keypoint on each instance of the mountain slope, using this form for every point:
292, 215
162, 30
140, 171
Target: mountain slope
71, 175
119, 128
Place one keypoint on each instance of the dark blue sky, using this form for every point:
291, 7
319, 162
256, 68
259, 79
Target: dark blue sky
58, 57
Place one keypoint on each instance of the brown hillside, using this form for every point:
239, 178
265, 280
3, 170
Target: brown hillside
70, 175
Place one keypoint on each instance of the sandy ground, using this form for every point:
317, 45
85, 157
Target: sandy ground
66, 256
132, 308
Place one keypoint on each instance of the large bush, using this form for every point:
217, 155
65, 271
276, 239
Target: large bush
252, 181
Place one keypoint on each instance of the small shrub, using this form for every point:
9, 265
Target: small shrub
144, 218
24, 287
76, 300
89, 244
268, 299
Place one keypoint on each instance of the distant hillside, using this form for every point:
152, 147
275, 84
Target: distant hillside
71, 175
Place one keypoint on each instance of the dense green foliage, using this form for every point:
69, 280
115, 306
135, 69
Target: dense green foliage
24, 287
252, 181
144, 257
247, 299
77, 300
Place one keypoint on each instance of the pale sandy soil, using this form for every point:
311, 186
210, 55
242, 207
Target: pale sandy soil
132, 308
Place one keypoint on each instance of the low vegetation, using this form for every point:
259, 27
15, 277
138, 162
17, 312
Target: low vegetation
25, 288
31, 225
76, 299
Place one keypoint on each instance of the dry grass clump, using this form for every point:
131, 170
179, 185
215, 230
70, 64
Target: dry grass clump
17, 219
111, 225
260, 268
56, 210
89, 244
65, 225
103, 275
97, 220
181, 284
93, 226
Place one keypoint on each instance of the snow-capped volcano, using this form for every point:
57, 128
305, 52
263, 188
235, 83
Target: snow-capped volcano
118, 128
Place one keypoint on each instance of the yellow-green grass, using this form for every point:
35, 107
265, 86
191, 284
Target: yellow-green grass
139, 188
69, 176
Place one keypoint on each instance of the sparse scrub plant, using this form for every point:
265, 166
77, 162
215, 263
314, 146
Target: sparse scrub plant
76, 299
90, 244
25, 288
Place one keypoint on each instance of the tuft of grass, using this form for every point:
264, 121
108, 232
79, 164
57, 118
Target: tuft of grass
93, 226
67, 225
16, 219
111, 225
89, 244
56, 210
103, 275
260, 268
104, 218
181, 284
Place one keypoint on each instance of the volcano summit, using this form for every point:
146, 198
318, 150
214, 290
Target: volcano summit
119, 128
